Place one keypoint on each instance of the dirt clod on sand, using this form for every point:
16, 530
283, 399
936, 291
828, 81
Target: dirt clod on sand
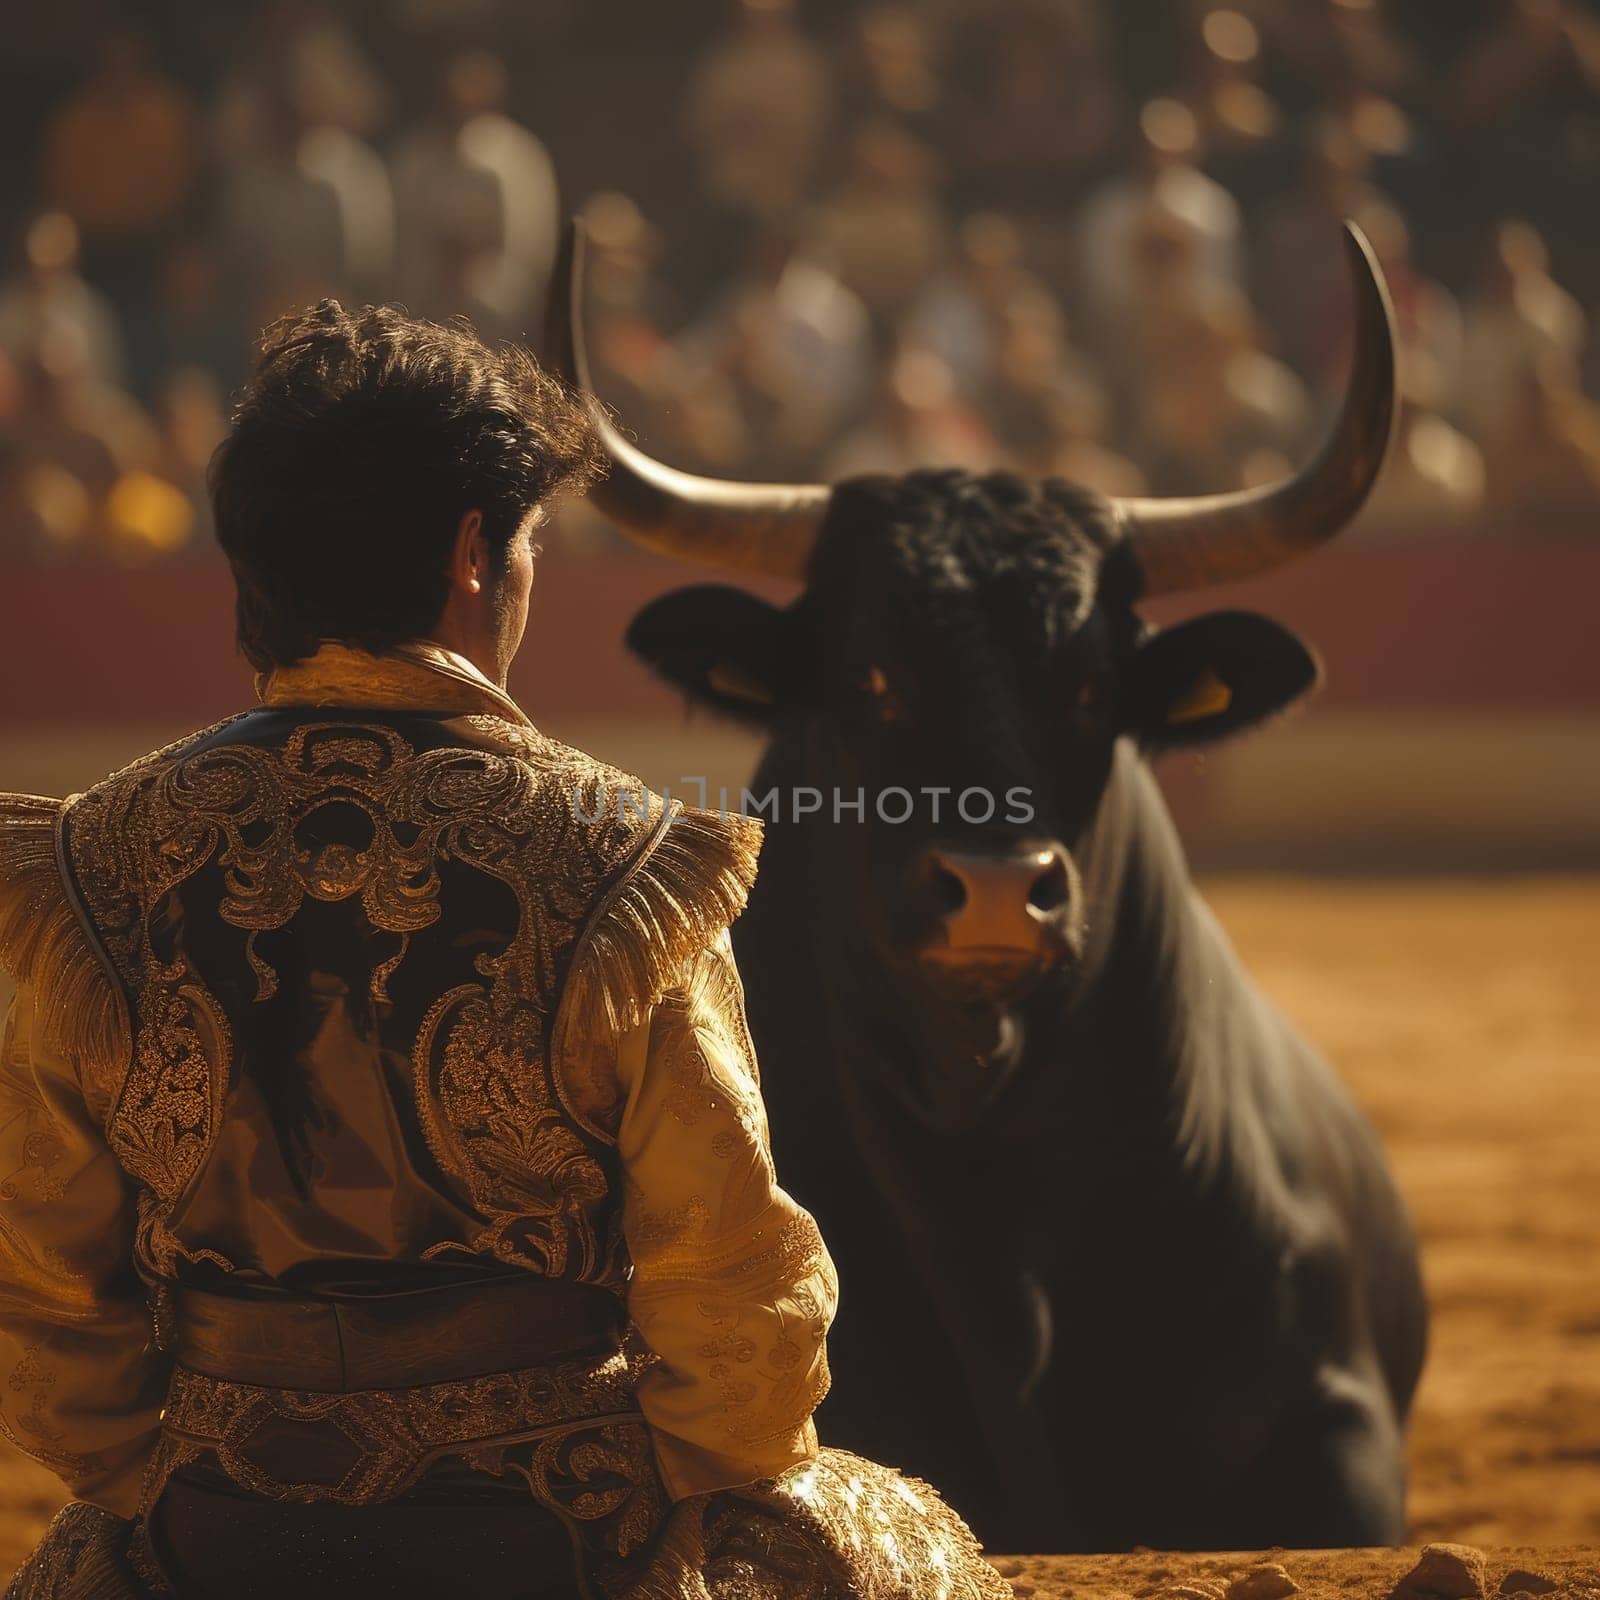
1520, 1581
1445, 1571
1267, 1582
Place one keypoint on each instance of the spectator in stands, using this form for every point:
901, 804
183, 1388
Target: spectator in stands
1519, 315
1433, 482
919, 421
628, 310
75, 420
1037, 103
1517, 115
1435, 476
891, 68
191, 422
89, 458
1003, 336
121, 153
793, 344
1048, 412
883, 228
1164, 192
1070, 443
478, 211
1356, 67
757, 111
1340, 49
304, 211
122, 159
1427, 316
1239, 123
200, 318
49, 297
44, 510
1214, 411
961, 314
324, 67
1301, 280
1544, 457
1537, 50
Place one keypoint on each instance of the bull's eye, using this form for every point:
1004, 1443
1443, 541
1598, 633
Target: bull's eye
1088, 711
1086, 704
886, 702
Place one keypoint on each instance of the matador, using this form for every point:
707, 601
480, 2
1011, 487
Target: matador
386, 1204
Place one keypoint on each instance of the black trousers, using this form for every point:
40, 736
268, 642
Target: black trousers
212, 1540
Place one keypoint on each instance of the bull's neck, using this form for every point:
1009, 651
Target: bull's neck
1164, 1006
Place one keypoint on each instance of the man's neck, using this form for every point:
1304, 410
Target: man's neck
471, 651
421, 675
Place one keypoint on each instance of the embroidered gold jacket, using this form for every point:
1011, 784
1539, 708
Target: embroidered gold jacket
376, 978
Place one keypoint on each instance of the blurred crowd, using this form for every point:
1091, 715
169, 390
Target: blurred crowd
1092, 238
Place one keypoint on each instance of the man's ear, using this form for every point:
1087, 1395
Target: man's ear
728, 650
1214, 675
469, 554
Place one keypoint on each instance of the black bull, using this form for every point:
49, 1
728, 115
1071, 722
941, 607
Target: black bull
1121, 1261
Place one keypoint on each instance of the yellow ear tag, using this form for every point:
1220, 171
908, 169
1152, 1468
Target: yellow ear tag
1210, 697
728, 679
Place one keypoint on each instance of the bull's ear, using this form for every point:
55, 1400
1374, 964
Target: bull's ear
1214, 675
729, 650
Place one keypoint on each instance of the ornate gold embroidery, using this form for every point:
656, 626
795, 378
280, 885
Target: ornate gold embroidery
169, 1106
837, 1526
33, 1265
570, 1430
159, 1250
84, 1552
490, 1110
601, 1481
498, 1126
765, 1294
716, 1062
32, 1382
690, 1096
370, 1445
545, 821
40, 1151
677, 1226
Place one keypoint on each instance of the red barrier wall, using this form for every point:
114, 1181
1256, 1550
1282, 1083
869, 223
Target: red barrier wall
1427, 623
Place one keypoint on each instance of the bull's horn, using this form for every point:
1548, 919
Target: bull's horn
1188, 543
746, 527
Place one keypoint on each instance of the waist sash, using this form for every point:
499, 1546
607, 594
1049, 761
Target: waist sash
334, 1344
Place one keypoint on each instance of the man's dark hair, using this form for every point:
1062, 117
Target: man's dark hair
360, 441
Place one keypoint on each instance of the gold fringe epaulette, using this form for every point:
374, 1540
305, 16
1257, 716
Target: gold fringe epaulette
673, 903
77, 1005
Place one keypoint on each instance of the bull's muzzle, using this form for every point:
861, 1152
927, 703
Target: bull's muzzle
1003, 916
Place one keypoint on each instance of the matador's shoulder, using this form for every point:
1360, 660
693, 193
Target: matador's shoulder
47, 940
670, 877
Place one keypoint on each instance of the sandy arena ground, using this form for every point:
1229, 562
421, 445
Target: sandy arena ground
1568, 1573
1467, 1017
